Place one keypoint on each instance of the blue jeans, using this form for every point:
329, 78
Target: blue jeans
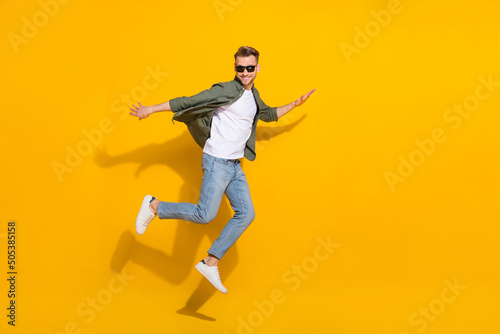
220, 176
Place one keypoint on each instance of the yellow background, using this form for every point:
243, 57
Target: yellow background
320, 171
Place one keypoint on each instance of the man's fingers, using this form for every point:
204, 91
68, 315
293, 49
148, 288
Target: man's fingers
309, 94
303, 98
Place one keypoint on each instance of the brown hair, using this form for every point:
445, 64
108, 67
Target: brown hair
245, 51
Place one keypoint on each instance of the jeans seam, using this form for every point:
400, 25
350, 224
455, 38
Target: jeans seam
241, 206
239, 198
208, 173
232, 226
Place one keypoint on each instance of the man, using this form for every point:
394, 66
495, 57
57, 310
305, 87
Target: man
222, 120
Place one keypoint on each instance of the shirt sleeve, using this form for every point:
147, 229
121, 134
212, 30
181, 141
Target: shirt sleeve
203, 97
268, 114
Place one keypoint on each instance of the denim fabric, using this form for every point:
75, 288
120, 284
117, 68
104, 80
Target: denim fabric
220, 176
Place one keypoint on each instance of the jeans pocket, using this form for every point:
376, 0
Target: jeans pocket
206, 163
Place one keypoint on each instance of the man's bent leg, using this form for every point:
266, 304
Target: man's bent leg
238, 194
216, 177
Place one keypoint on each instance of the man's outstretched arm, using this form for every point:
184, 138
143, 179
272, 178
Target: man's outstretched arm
144, 111
281, 111
179, 103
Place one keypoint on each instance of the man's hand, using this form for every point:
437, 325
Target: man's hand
303, 98
281, 111
142, 111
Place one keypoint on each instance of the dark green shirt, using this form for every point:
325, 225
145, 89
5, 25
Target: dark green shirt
197, 111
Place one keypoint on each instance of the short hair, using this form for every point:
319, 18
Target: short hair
245, 51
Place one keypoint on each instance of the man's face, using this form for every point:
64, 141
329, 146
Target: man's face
246, 77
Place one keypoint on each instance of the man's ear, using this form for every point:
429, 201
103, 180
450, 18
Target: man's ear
258, 67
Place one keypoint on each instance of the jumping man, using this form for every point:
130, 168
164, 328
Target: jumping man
222, 120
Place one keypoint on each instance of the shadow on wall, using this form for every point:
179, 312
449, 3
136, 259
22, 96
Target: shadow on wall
177, 153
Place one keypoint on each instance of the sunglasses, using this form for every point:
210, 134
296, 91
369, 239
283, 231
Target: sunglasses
250, 68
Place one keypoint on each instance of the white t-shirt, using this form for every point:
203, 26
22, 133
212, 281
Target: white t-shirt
231, 128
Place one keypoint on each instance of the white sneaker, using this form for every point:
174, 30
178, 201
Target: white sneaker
212, 275
145, 215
